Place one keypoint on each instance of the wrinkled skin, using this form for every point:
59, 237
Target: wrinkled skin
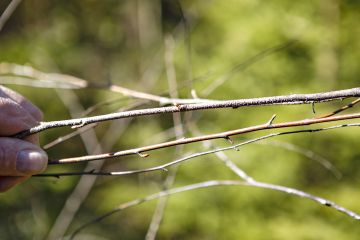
18, 114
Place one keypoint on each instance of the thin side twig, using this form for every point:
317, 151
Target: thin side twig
245, 64
84, 129
251, 182
350, 105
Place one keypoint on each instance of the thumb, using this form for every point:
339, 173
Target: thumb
20, 158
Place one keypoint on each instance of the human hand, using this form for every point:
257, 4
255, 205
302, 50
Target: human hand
19, 159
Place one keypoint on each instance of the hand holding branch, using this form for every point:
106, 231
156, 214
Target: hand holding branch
19, 159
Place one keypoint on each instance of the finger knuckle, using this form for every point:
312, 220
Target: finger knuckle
37, 113
6, 156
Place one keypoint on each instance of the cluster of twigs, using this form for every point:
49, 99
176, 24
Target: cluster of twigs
182, 105
26, 75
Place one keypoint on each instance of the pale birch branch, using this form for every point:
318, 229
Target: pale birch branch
289, 99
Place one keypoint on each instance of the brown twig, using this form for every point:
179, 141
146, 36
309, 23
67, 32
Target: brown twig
264, 101
350, 105
195, 155
224, 135
69, 136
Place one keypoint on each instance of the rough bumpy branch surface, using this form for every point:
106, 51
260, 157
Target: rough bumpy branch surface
264, 101
225, 135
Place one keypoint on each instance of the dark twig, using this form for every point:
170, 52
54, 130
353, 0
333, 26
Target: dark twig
289, 99
245, 64
350, 105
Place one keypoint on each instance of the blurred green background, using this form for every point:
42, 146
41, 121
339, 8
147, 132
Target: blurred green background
304, 46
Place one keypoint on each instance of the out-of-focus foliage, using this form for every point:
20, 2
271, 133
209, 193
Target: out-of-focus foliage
123, 42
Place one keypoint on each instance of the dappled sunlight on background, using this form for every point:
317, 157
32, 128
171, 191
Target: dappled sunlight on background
206, 49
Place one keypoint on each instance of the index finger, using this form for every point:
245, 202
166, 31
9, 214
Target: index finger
14, 119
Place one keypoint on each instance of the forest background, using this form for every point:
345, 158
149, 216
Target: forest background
214, 50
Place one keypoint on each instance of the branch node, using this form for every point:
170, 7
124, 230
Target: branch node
177, 105
326, 203
194, 94
269, 123
229, 140
142, 155
313, 107
82, 123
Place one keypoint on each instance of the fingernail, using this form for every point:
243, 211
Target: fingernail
30, 161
